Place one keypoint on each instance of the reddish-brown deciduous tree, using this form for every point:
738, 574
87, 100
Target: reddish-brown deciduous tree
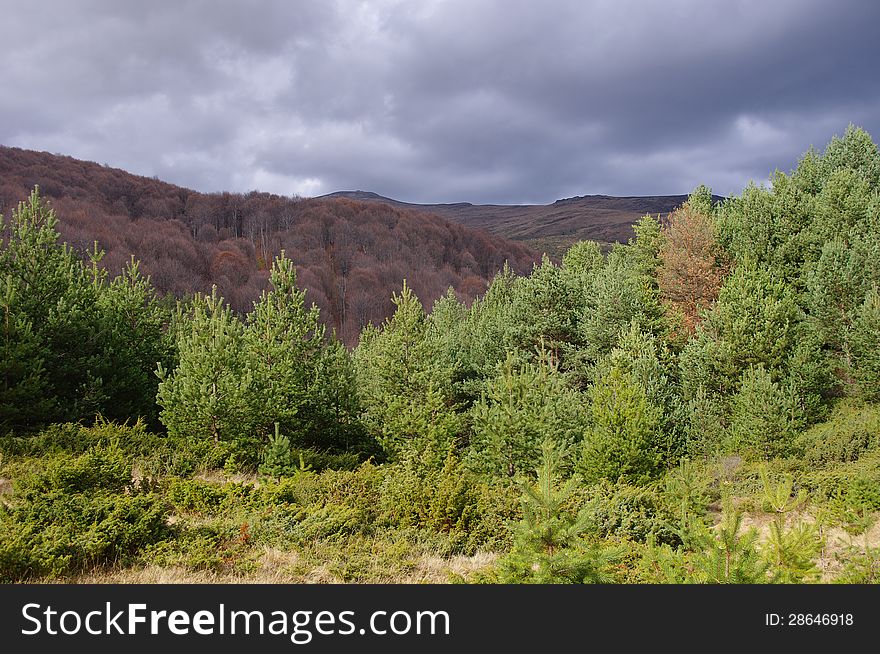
690, 273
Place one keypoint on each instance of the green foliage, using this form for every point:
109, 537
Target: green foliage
330, 418
319, 460
846, 483
450, 326
585, 257
854, 151
134, 335
48, 300
200, 497
862, 568
284, 342
404, 384
155, 454
73, 515
210, 394
646, 245
521, 407
761, 424
548, 544
626, 512
333, 522
233, 381
753, 323
701, 200
448, 500
23, 379
863, 493
615, 297
778, 496
719, 554
624, 440
851, 430
841, 205
277, 457
706, 426
73, 344
817, 230
651, 365
687, 489
791, 552
727, 555
865, 345
486, 335
836, 287
215, 546
99, 468
544, 313
809, 381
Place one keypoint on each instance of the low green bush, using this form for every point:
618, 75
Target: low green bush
100, 468
77, 513
851, 431
194, 495
861, 567
333, 522
320, 460
832, 481
302, 489
626, 512
216, 546
449, 500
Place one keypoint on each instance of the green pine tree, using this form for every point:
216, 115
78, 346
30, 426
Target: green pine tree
761, 422
46, 287
755, 322
548, 544
331, 416
24, 397
277, 456
725, 554
520, 408
790, 552
405, 383
284, 339
544, 313
624, 439
615, 297
864, 343
210, 393
133, 330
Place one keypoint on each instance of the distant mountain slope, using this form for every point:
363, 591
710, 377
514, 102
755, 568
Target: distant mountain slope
351, 255
550, 227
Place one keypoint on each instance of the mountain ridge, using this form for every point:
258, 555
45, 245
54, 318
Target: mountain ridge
551, 228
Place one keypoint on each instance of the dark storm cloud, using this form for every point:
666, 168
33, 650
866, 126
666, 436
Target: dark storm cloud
505, 101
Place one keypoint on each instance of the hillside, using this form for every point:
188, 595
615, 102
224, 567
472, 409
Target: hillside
551, 227
350, 255
698, 406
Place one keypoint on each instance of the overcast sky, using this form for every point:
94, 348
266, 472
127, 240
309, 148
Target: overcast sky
502, 101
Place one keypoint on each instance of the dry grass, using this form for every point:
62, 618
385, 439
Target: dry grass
276, 566
222, 477
838, 542
435, 569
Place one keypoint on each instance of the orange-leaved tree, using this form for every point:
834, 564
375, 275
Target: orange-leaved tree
690, 272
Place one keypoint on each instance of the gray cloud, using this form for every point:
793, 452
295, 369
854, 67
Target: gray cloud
462, 100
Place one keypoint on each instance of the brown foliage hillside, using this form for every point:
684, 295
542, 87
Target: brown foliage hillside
551, 228
350, 255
